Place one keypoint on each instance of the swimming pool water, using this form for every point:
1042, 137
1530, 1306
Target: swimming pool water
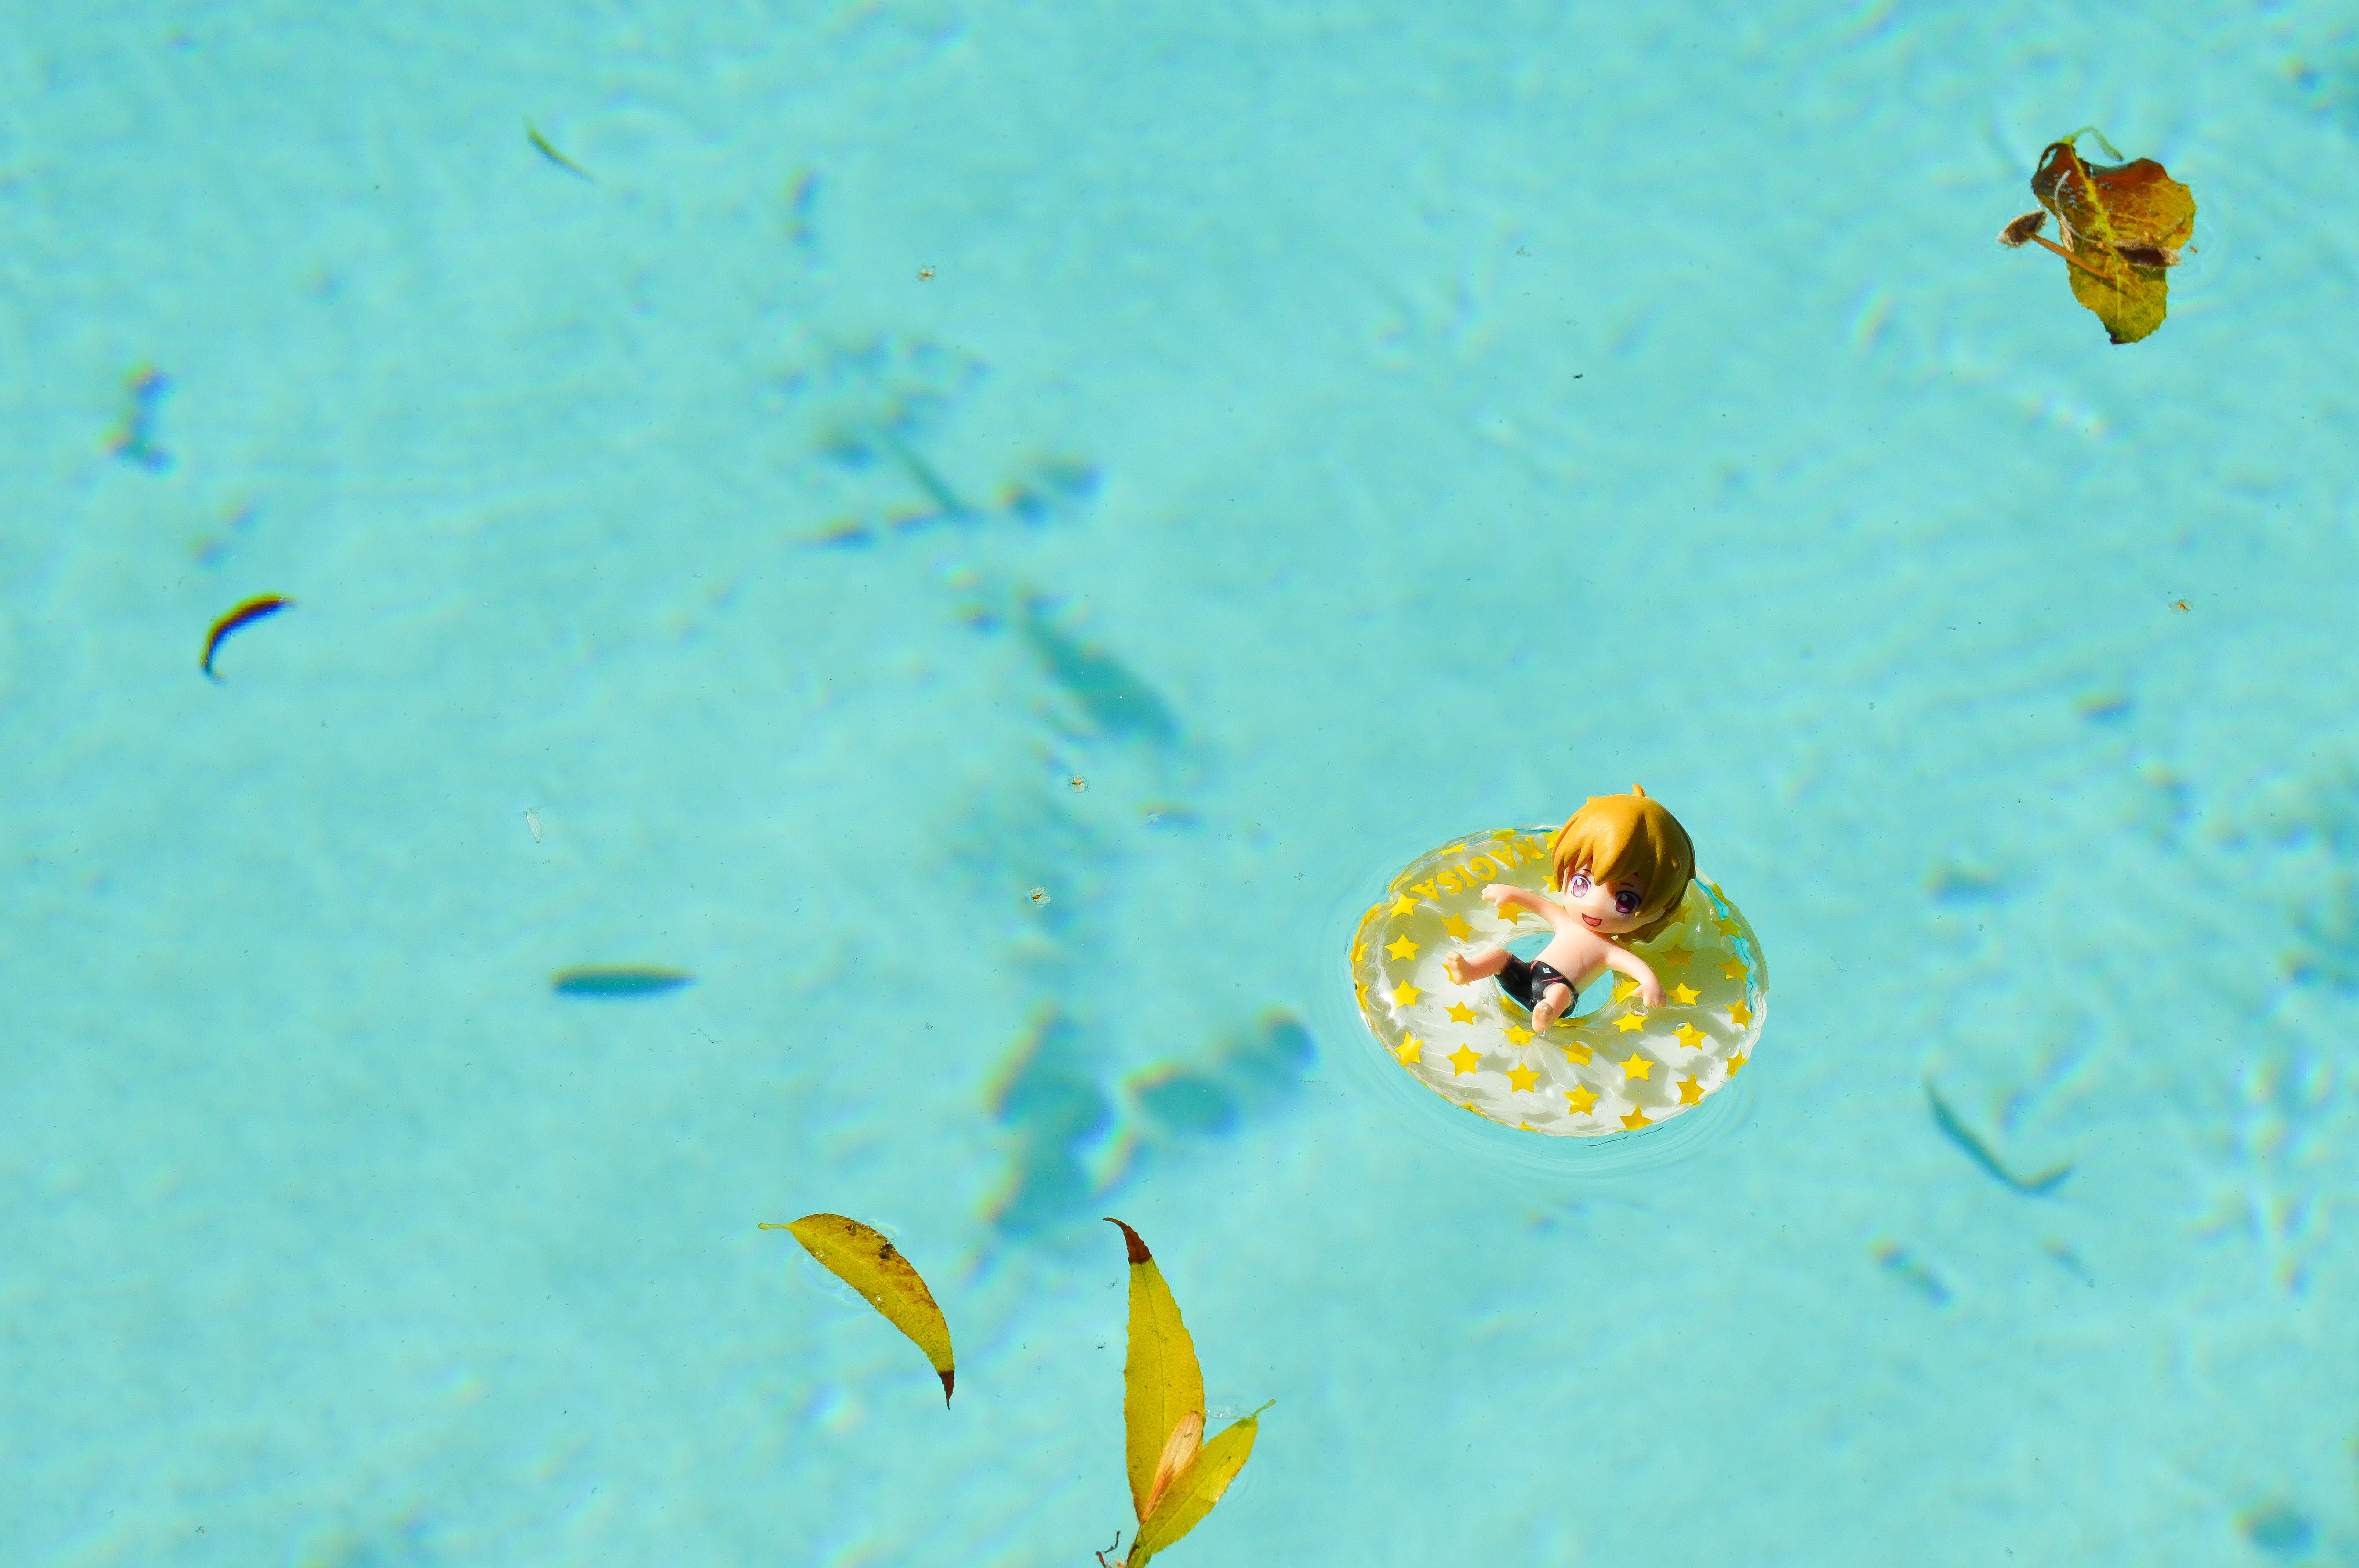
978, 533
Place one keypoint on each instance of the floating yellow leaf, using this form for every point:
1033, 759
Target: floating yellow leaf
1195, 1490
1160, 1382
2125, 225
1175, 1475
862, 1259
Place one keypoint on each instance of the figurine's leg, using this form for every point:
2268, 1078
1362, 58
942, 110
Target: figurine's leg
1466, 968
1552, 1006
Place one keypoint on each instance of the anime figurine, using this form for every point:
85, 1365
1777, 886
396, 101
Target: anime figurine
1620, 866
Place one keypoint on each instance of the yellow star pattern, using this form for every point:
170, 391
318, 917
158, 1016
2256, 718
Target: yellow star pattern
1483, 1040
1709, 935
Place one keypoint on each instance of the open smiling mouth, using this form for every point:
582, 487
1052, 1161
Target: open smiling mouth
1592, 921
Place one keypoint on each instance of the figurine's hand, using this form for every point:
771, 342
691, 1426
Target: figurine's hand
1650, 991
1497, 892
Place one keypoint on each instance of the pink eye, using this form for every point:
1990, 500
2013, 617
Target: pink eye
1626, 902
1579, 886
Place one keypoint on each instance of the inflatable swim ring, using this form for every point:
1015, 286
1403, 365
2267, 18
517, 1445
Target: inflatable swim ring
1613, 1070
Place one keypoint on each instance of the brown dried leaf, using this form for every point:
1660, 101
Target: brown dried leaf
1178, 1454
2123, 226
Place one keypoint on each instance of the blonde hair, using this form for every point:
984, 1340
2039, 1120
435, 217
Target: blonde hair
1617, 838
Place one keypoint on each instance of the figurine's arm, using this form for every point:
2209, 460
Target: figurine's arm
1651, 989
1503, 895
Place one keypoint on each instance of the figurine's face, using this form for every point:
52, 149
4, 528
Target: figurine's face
1607, 908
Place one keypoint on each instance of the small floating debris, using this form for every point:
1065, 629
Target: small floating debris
245, 614
1077, 783
617, 980
540, 143
532, 821
1038, 895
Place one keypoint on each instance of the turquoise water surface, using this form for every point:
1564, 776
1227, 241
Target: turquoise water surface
724, 536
